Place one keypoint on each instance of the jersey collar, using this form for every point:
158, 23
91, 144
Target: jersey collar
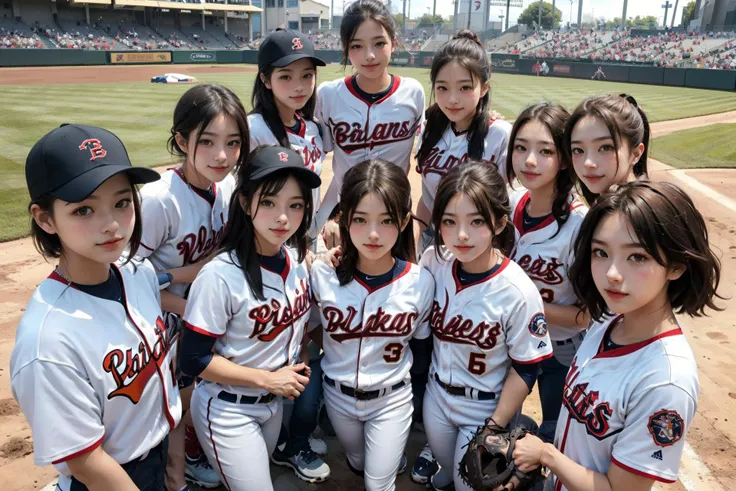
519, 217
630, 348
302, 126
460, 287
195, 190
350, 84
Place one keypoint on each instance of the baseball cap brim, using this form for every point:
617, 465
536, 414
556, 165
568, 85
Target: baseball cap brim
311, 178
79, 188
288, 60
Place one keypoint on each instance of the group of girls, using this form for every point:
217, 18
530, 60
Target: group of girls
539, 284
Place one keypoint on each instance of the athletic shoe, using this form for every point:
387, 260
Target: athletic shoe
403, 465
425, 466
199, 471
318, 446
306, 465
447, 487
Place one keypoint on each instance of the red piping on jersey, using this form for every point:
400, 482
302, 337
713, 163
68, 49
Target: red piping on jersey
640, 473
146, 247
630, 348
349, 81
214, 445
535, 360
81, 452
558, 486
460, 287
195, 189
458, 133
394, 280
519, 217
56, 276
201, 331
169, 418
285, 273
302, 126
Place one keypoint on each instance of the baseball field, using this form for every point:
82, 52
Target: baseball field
694, 146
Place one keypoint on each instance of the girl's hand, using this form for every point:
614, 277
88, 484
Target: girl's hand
332, 257
496, 115
287, 381
528, 453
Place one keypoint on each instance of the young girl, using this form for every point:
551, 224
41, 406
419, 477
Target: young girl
632, 389
92, 367
608, 137
459, 125
371, 114
373, 307
284, 99
546, 218
184, 216
246, 317
488, 320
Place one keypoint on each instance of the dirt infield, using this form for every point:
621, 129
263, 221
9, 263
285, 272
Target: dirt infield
104, 74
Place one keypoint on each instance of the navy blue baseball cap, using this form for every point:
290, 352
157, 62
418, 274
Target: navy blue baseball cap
269, 159
72, 161
285, 46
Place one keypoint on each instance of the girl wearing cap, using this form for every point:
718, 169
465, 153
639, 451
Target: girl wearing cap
371, 114
283, 114
246, 317
184, 216
284, 99
92, 365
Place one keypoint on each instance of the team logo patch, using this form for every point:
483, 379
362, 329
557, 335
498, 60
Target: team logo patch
283, 157
95, 148
296, 43
538, 326
666, 427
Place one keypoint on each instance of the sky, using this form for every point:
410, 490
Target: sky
600, 8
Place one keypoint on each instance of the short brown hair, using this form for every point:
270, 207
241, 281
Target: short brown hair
49, 245
670, 229
485, 187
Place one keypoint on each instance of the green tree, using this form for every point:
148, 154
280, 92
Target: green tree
688, 14
399, 19
429, 20
530, 15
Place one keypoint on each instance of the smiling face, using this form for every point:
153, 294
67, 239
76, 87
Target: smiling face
276, 217
535, 157
370, 50
372, 230
594, 155
467, 234
217, 151
97, 229
625, 274
458, 93
293, 84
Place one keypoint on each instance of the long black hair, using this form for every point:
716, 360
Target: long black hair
357, 13
240, 235
554, 117
466, 49
198, 107
390, 183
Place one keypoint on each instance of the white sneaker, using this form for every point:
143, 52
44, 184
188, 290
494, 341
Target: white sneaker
318, 446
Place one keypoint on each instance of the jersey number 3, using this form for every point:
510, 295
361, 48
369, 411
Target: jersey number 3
393, 352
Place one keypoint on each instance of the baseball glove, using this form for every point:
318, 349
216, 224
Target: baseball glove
488, 463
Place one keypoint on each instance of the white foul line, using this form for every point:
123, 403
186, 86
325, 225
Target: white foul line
705, 190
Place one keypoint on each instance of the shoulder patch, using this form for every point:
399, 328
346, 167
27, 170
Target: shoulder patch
666, 427
538, 325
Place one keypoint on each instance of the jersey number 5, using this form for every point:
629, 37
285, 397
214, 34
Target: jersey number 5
476, 365
393, 352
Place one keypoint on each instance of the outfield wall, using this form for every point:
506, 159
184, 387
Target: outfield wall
503, 63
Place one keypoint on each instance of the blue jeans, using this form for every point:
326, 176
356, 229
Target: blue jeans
551, 385
304, 415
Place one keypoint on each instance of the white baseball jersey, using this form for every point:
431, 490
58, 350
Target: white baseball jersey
90, 372
264, 334
307, 143
629, 405
452, 150
180, 227
479, 329
546, 258
367, 331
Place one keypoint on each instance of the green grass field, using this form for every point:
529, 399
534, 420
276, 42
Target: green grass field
140, 113
709, 146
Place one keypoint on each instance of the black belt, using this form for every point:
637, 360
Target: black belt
570, 340
233, 398
454, 390
362, 395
